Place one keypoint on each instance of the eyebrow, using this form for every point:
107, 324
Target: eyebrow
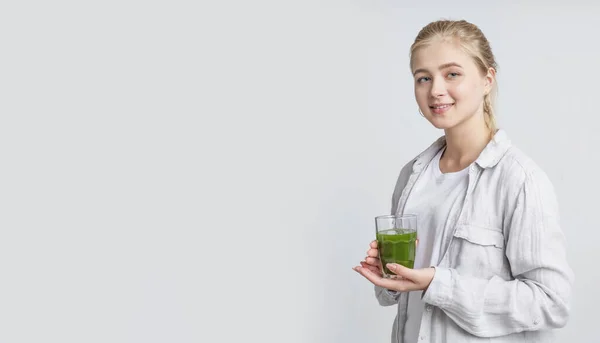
443, 66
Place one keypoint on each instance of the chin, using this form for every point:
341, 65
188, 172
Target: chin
442, 123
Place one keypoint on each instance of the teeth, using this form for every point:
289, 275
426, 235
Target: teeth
442, 106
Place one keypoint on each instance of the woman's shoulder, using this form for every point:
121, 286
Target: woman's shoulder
517, 168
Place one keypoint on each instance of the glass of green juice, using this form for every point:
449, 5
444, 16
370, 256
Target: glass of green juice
396, 240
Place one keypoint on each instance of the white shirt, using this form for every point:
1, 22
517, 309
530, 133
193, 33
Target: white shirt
434, 197
503, 276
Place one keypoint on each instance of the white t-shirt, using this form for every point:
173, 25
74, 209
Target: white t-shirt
433, 197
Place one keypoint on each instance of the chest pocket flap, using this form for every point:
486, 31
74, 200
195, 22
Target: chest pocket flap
480, 235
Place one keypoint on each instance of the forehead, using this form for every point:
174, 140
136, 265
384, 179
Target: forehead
438, 53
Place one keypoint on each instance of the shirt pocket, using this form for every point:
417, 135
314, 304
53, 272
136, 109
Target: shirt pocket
479, 235
478, 251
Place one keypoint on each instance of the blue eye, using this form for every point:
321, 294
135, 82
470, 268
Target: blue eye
453, 75
423, 79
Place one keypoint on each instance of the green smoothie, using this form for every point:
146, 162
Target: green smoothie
397, 246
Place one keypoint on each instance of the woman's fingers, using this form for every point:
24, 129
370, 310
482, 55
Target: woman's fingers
373, 261
373, 253
373, 269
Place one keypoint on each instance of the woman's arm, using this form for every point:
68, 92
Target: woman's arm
538, 297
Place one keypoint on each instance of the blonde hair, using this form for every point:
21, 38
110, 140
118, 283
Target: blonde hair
474, 43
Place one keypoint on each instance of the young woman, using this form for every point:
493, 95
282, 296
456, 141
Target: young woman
491, 263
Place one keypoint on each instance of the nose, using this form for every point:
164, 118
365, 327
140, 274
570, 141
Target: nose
438, 88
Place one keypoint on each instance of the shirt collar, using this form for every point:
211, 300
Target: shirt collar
488, 158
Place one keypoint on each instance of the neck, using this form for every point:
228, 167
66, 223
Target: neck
465, 142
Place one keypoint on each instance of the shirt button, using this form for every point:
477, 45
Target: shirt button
422, 338
428, 308
535, 322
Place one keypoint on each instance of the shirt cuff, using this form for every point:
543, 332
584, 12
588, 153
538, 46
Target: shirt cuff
439, 292
392, 293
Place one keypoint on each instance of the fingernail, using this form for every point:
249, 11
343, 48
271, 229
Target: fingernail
391, 266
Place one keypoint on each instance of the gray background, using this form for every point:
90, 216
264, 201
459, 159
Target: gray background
209, 172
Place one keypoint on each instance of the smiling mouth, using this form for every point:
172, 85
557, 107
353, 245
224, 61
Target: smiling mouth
440, 109
440, 106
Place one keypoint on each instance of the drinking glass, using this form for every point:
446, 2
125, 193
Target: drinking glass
396, 241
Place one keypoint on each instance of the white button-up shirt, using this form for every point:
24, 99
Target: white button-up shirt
503, 276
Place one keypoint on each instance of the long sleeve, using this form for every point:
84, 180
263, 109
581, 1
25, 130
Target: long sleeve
538, 296
385, 297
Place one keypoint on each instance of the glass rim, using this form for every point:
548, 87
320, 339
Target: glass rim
387, 216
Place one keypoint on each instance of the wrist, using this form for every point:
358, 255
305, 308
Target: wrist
431, 274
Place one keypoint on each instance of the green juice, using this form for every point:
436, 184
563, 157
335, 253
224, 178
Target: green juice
396, 246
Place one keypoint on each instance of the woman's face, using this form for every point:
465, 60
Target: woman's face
449, 88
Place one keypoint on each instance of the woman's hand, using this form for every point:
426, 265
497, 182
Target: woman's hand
372, 261
406, 280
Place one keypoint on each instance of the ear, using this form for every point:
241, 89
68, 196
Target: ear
490, 79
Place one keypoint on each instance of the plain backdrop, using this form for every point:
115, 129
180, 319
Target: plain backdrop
178, 171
